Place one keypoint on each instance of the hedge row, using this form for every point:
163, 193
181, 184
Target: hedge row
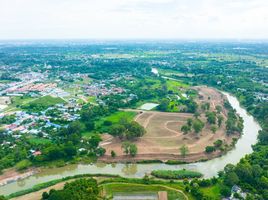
176, 174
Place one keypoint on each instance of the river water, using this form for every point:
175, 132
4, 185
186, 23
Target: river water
209, 168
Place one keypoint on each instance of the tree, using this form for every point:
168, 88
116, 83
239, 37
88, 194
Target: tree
125, 147
81, 189
225, 191
220, 120
190, 122
127, 130
210, 149
218, 143
163, 106
45, 195
231, 179
133, 150
113, 154
134, 130
100, 151
213, 129
196, 115
129, 148
211, 117
198, 125
89, 125
2, 198
69, 149
219, 109
118, 130
185, 129
184, 150
94, 141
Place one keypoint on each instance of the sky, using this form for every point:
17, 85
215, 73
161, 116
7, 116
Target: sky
133, 19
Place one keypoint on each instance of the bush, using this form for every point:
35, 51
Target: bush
24, 164
176, 174
210, 149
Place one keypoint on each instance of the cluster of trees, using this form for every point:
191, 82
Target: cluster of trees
129, 148
250, 176
242, 83
234, 123
7, 119
195, 187
81, 189
186, 105
127, 130
193, 124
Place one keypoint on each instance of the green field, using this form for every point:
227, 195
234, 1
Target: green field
128, 188
212, 191
38, 141
17, 102
42, 103
116, 117
174, 85
113, 118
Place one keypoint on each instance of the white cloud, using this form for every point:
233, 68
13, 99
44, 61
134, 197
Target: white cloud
133, 19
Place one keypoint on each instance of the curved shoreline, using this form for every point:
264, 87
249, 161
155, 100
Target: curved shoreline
209, 168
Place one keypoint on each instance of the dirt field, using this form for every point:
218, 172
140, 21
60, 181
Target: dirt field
163, 136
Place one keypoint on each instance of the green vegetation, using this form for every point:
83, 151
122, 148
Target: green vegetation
127, 130
7, 119
104, 124
235, 67
130, 188
23, 164
178, 174
81, 189
42, 103
129, 148
184, 150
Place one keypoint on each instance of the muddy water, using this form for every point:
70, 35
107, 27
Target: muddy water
209, 168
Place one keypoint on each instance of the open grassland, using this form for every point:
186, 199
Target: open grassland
42, 103
17, 102
103, 124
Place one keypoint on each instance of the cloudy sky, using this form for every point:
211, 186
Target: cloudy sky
122, 19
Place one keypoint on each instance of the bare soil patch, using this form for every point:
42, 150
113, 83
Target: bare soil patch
164, 138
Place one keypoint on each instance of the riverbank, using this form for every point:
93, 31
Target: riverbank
163, 158
103, 181
12, 175
164, 136
209, 168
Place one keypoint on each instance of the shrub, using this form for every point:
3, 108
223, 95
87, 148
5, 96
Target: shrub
176, 174
210, 149
24, 164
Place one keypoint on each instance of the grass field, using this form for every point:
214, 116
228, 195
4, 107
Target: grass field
212, 191
113, 118
174, 85
42, 103
18, 101
38, 141
129, 188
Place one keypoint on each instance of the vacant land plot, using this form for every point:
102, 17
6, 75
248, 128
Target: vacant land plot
42, 103
164, 138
